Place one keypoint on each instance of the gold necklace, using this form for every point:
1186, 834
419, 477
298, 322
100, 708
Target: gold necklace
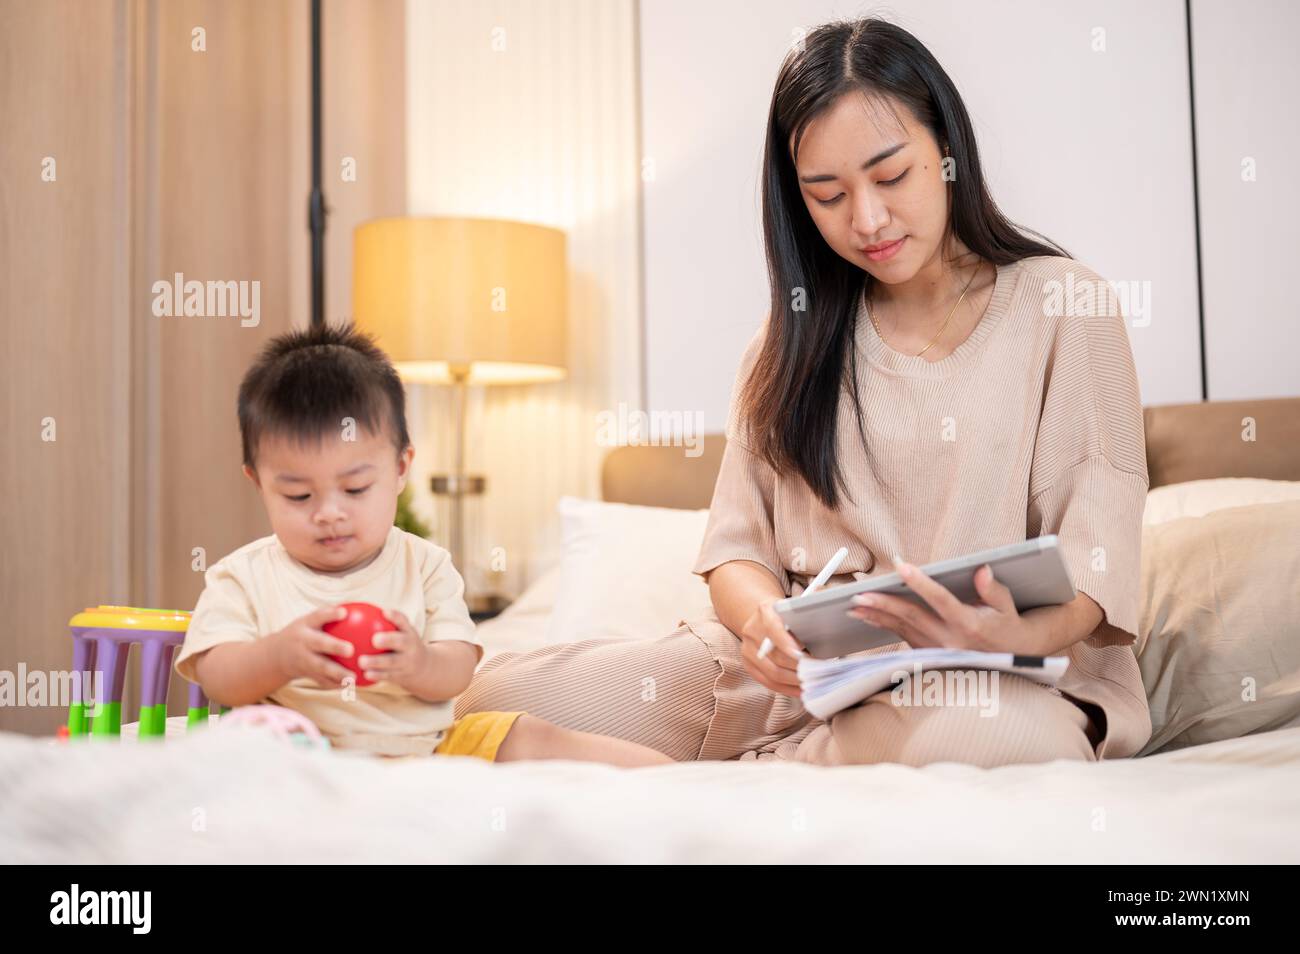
945, 321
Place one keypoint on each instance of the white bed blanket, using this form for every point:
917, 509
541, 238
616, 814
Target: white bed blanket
228, 796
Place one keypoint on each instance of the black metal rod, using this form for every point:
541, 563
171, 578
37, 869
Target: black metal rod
1196, 207
316, 204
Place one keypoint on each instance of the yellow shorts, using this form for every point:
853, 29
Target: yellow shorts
479, 734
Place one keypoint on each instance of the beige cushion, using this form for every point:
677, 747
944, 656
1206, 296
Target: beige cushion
1219, 640
1196, 498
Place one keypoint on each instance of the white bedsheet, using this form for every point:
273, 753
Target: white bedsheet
227, 796
224, 796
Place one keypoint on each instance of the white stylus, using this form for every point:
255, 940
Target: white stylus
818, 582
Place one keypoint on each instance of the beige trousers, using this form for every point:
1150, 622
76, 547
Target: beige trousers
689, 696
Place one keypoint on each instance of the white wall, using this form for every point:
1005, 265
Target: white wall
1247, 82
1092, 149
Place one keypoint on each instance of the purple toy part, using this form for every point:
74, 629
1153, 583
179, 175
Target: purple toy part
106, 650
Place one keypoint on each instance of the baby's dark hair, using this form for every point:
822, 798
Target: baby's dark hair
305, 383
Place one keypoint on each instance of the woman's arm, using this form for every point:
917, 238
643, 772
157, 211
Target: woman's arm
743, 593
738, 589
993, 625
1054, 629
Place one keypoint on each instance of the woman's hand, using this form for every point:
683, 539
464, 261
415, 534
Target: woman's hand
946, 621
779, 669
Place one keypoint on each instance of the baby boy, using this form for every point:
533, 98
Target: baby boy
322, 415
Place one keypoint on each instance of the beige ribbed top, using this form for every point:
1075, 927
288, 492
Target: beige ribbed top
1033, 425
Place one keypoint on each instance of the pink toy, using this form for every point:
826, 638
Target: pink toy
286, 724
359, 628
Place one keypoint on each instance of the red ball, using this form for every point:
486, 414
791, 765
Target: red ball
359, 628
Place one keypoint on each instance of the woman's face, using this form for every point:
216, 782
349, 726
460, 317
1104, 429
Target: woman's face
868, 182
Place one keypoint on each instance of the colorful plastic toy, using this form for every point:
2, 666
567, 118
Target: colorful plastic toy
359, 628
101, 640
284, 723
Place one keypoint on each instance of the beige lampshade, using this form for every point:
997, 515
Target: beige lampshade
487, 295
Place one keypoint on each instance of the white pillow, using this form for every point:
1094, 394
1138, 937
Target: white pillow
1196, 498
522, 626
625, 571
537, 599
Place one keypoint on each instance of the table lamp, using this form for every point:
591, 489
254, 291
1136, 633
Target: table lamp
463, 301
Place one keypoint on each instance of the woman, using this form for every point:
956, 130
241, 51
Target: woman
921, 387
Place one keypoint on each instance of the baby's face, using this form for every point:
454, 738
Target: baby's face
332, 503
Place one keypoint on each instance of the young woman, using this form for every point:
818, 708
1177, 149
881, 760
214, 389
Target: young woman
929, 382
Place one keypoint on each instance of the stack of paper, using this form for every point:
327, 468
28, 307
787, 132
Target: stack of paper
952, 676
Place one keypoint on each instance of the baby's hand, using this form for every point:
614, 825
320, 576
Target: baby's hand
303, 649
407, 656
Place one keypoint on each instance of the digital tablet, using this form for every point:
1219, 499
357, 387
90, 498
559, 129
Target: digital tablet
1033, 570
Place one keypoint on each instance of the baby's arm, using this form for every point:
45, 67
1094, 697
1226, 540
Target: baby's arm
448, 669
238, 674
244, 673
451, 649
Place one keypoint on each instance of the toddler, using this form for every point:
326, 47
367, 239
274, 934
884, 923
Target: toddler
322, 415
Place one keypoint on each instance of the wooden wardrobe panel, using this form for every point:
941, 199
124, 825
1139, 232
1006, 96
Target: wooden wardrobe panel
63, 314
169, 159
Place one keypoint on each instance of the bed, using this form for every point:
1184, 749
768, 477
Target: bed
1218, 782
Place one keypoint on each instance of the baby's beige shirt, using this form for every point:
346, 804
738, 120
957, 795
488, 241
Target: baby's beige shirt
259, 589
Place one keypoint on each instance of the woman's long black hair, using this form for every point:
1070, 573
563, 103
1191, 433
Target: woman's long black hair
791, 399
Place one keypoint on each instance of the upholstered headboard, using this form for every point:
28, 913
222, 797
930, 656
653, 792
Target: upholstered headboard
1223, 439
1184, 442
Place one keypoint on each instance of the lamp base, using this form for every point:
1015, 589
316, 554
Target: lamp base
485, 606
450, 485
